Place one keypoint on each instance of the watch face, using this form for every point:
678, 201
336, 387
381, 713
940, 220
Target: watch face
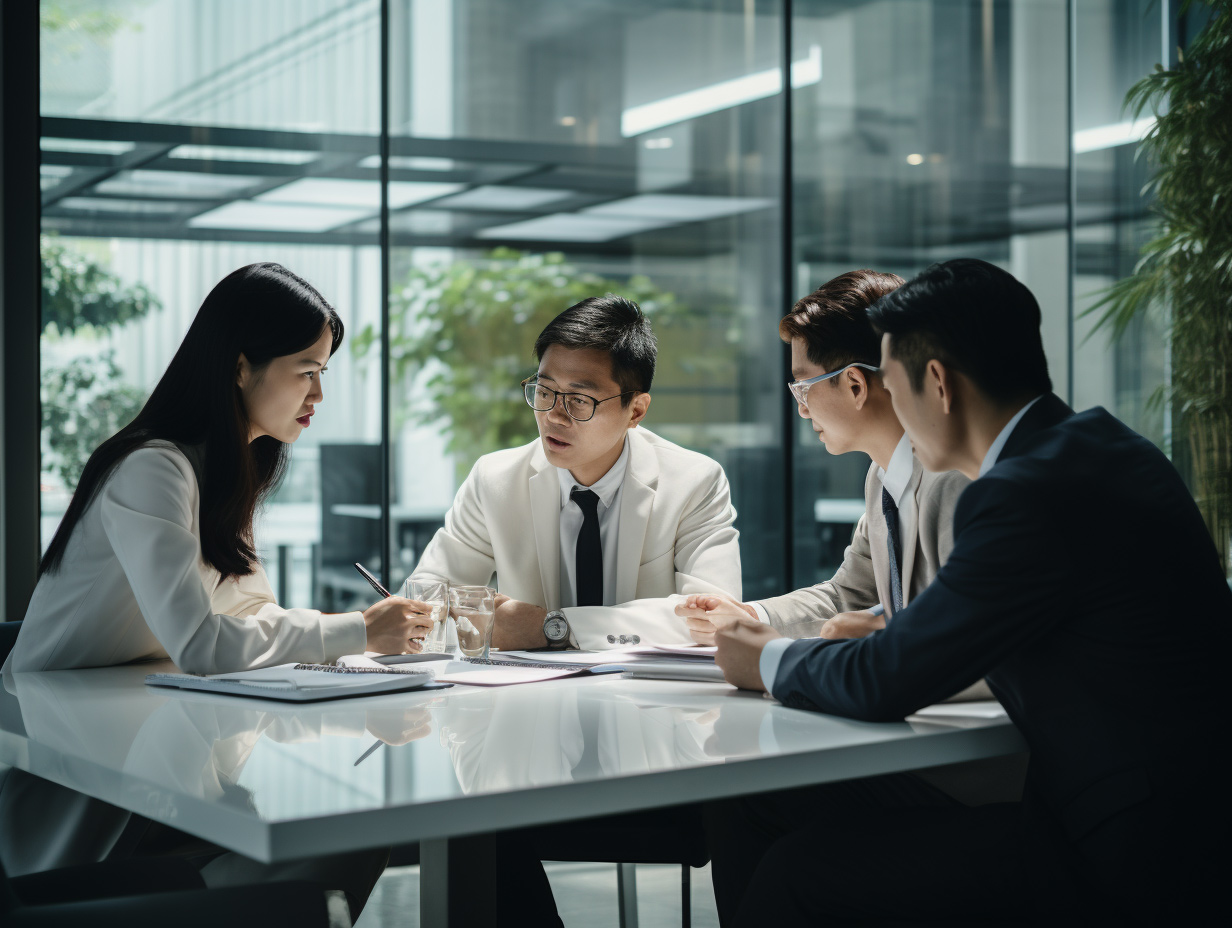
555, 628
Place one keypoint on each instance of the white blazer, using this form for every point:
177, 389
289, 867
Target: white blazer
676, 536
133, 586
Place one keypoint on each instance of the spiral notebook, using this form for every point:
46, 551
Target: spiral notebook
302, 682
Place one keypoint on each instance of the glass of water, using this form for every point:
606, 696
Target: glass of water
474, 610
433, 593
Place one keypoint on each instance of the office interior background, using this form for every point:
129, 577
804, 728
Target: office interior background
452, 173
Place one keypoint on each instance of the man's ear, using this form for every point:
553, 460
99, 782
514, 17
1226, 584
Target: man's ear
640, 404
857, 383
940, 382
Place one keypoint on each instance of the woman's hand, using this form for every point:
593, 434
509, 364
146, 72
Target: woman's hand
397, 625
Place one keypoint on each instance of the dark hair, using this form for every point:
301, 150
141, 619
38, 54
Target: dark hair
974, 318
833, 319
612, 324
262, 311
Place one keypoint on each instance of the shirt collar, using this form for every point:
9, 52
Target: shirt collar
998, 444
896, 477
605, 487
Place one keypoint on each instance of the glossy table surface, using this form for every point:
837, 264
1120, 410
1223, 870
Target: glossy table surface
278, 781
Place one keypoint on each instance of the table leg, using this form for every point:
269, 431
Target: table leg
626, 894
455, 882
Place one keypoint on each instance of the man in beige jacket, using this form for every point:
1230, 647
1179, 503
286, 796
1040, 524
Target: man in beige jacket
904, 536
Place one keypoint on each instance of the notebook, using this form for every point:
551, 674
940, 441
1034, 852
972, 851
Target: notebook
300, 682
693, 671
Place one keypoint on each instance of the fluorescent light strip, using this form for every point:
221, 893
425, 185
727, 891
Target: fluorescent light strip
228, 153
271, 217
721, 96
324, 191
1110, 136
571, 227
89, 146
410, 163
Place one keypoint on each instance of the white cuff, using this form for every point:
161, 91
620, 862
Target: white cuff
573, 639
761, 612
342, 634
768, 665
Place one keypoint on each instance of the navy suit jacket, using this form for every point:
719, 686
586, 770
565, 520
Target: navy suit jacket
1084, 586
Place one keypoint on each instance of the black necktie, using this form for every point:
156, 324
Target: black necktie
896, 549
588, 561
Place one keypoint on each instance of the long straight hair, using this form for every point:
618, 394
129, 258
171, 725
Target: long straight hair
262, 311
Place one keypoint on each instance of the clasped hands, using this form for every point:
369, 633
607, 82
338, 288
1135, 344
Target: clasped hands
740, 636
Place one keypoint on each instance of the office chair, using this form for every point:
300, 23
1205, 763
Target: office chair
152, 892
8, 638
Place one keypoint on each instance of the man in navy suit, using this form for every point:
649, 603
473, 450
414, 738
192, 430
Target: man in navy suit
1084, 587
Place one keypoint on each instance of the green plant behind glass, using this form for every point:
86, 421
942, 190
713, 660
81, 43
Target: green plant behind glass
464, 334
1187, 267
86, 401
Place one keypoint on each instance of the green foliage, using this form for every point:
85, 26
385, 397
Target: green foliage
1187, 267
78, 292
86, 401
84, 404
465, 334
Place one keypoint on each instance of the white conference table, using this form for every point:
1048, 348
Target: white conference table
278, 782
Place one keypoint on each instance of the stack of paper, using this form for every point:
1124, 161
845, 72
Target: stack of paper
961, 714
298, 682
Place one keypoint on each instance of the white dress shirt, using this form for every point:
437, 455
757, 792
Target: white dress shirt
772, 653
133, 586
607, 488
895, 479
998, 443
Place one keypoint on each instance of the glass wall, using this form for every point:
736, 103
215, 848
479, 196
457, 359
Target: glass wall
542, 151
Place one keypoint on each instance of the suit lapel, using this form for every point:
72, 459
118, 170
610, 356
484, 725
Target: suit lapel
545, 517
636, 504
913, 531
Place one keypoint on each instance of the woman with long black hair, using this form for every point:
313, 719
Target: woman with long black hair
155, 555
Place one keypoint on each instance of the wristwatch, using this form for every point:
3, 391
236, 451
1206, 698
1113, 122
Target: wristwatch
556, 630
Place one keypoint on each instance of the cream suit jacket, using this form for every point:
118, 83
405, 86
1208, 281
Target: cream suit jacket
863, 579
676, 536
133, 586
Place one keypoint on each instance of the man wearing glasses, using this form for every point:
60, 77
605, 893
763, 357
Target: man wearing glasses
904, 535
589, 528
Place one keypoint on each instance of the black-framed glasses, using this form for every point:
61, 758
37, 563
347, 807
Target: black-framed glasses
579, 406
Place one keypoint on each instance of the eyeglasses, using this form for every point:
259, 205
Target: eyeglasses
800, 388
579, 406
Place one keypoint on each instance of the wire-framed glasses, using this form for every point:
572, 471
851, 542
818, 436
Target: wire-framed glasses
579, 406
800, 388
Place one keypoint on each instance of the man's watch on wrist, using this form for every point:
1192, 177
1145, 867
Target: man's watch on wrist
556, 630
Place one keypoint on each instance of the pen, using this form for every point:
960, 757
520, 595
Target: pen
376, 585
376, 744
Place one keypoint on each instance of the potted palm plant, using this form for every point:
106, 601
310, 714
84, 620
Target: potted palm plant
1185, 272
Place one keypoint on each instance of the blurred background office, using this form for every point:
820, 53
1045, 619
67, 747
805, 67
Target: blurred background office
453, 173
538, 151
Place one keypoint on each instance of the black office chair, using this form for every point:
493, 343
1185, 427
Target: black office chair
8, 638
152, 892
673, 836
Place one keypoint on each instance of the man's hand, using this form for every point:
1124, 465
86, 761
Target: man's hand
519, 625
704, 613
851, 625
739, 652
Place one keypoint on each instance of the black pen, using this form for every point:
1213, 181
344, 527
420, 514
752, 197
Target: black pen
364, 756
376, 584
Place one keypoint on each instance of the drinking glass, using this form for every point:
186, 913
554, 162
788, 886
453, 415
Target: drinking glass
474, 611
433, 593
